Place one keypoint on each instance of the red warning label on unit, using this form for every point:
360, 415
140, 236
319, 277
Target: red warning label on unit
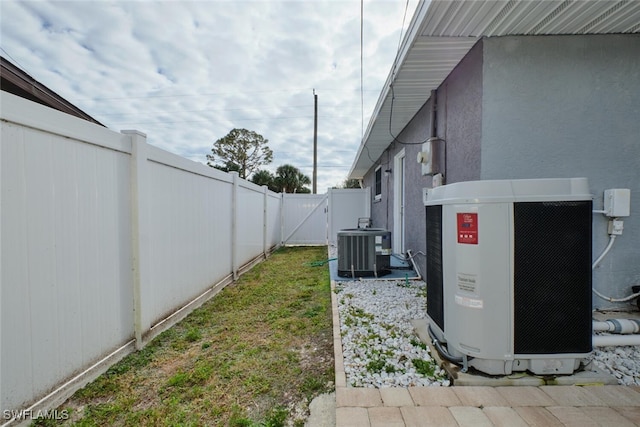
468, 228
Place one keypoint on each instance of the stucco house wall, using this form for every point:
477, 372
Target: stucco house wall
460, 117
569, 106
534, 107
458, 122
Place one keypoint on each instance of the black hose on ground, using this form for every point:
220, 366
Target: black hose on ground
444, 353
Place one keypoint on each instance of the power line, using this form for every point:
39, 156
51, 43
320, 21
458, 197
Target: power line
361, 69
165, 122
13, 60
185, 95
202, 111
393, 95
395, 61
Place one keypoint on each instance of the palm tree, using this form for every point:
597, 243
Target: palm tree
264, 177
303, 181
289, 179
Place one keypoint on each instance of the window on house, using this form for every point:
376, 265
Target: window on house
378, 193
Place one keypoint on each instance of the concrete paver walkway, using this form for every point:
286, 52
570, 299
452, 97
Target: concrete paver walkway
489, 406
512, 406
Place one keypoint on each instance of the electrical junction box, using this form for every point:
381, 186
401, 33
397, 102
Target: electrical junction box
509, 273
425, 195
429, 156
617, 202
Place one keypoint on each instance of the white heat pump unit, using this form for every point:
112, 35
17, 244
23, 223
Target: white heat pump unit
364, 252
509, 273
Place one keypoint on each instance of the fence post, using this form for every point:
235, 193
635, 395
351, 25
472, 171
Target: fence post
265, 217
329, 210
234, 226
138, 190
282, 219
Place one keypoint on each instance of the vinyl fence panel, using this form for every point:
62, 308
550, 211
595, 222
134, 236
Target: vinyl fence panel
274, 229
106, 241
65, 248
187, 227
345, 207
249, 222
304, 219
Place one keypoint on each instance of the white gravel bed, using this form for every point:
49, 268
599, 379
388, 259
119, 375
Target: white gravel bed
622, 362
379, 345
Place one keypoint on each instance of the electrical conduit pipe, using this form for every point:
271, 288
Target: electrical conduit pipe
615, 340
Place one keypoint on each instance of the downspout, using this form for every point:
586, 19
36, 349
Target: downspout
437, 143
434, 127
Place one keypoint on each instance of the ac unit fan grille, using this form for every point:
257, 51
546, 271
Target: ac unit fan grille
434, 278
552, 277
357, 254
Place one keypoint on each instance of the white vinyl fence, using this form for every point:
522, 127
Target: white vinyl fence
312, 219
105, 242
304, 219
345, 207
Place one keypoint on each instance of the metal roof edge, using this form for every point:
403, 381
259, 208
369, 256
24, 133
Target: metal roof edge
441, 19
413, 32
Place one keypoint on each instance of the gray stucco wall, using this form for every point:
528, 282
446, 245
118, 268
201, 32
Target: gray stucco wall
536, 107
459, 123
415, 227
460, 117
380, 215
569, 106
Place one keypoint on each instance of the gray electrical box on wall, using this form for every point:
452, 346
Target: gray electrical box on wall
429, 157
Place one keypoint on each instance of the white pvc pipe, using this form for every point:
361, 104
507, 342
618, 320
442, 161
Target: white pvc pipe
618, 326
615, 340
612, 238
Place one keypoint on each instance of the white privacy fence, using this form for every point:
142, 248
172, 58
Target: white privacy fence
304, 219
345, 207
103, 237
105, 241
312, 219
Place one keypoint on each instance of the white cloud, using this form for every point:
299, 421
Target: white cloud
187, 72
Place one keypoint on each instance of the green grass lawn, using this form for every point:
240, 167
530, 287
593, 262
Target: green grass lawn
254, 355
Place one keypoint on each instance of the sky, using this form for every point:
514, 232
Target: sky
186, 73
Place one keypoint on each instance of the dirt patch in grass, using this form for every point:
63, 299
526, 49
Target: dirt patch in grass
255, 354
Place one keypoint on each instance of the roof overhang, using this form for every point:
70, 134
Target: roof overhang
16, 81
442, 32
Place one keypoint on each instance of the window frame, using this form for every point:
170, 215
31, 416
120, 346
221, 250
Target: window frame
377, 183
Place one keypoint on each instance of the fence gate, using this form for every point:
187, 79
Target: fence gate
315, 219
345, 207
304, 219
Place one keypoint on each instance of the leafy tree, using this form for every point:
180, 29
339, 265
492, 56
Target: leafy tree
350, 183
227, 167
264, 177
244, 148
289, 179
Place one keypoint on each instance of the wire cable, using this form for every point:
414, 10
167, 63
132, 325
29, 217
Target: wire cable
393, 95
361, 69
395, 139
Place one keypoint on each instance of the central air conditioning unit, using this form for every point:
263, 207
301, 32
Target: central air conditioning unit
364, 252
509, 273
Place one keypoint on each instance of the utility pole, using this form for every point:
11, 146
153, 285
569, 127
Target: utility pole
315, 142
